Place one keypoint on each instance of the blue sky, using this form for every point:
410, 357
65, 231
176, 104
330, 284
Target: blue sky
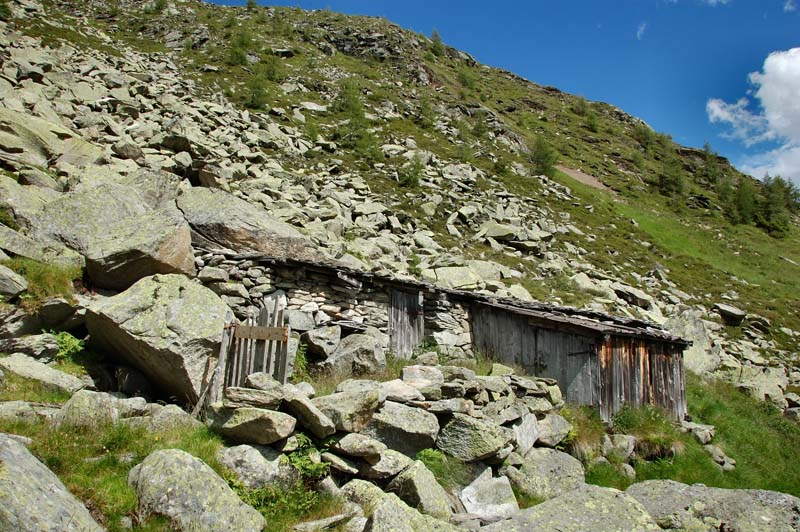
677, 64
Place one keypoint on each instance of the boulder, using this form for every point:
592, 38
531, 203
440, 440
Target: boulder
251, 425
11, 283
386, 465
166, 326
16, 243
349, 411
308, 415
526, 432
403, 428
322, 342
26, 140
25, 411
357, 354
702, 356
730, 314
227, 221
418, 488
32, 369
586, 508
546, 473
39, 346
470, 439
398, 391
92, 409
699, 507
33, 499
122, 237
269, 399
182, 488
256, 466
23, 203
489, 498
387, 513
457, 277
358, 445
553, 429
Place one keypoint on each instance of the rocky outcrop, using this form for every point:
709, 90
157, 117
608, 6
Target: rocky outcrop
33, 499
48, 377
166, 326
587, 508
546, 473
221, 219
491, 499
182, 488
122, 237
697, 507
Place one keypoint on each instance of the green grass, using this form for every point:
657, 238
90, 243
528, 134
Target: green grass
587, 431
44, 280
449, 472
16, 388
656, 434
762, 441
607, 475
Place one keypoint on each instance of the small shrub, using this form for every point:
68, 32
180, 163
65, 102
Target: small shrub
645, 136
301, 460
466, 77
543, 157
237, 57
251, 5
581, 107
587, 431
300, 372
5, 11
437, 46
592, 123
671, 181
637, 159
271, 68
258, 96
411, 174
425, 116
68, 345
156, 7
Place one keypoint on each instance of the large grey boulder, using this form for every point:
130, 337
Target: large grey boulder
322, 342
359, 445
403, 428
23, 203
251, 425
588, 508
166, 326
15, 243
33, 499
32, 369
387, 513
27, 140
546, 473
697, 507
225, 220
308, 415
418, 488
553, 429
386, 465
490, 498
179, 486
256, 466
702, 356
470, 439
90, 409
121, 235
357, 354
11, 283
349, 411
39, 346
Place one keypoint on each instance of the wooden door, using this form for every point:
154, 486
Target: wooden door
406, 322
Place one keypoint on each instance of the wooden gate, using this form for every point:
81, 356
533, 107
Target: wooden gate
259, 344
406, 322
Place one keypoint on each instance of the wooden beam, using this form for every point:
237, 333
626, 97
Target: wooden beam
252, 332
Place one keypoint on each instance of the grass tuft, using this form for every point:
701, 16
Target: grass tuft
449, 472
44, 280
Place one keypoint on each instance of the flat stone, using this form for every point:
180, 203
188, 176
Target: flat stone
546, 473
349, 411
358, 445
403, 428
489, 498
418, 488
470, 439
308, 415
32, 369
251, 425
386, 465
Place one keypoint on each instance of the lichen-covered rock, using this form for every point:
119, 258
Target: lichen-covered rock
251, 425
683, 507
32, 369
33, 499
269, 399
418, 488
403, 428
386, 465
179, 486
256, 466
122, 237
92, 409
546, 473
39, 346
387, 513
553, 429
349, 411
307, 414
322, 342
357, 353
166, 326
489, 498
470, 439
588, 508
231, 222
11, 283
359, 445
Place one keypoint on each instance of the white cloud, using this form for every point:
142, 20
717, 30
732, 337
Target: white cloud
789, 6
640, 30
715, 3
777, 87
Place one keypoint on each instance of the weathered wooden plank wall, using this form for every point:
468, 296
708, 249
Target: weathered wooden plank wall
640, 372
406, 322
606, 373
565, 356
